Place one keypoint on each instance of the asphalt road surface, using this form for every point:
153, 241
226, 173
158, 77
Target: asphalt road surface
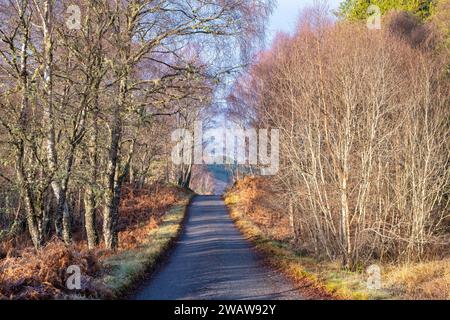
213, 261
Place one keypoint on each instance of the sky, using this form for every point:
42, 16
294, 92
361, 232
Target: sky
286, 13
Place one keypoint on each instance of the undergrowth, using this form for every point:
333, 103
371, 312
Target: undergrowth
321, 278
149, 221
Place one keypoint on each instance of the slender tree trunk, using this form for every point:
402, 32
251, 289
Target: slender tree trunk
62, 212
345, 214
34, 222
111, 210
294, 228
90, 202
90, 205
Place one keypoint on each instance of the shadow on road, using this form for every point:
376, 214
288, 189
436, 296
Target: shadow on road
213, 261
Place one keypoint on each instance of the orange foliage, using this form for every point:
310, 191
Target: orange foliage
43, 274
257, 199
29, 274
141, 211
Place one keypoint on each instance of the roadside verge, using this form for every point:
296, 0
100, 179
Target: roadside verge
127, 269
269, 230
283, 257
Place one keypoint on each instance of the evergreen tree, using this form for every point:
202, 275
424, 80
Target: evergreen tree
357, 9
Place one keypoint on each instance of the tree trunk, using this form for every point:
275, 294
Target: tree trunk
90, 202
62, 218
34, 220
111, 210
34, 223
90, 217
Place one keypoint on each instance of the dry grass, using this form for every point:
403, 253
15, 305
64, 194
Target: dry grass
255, 200
42, 274
426, 280
126, 269
280, 256
142, 210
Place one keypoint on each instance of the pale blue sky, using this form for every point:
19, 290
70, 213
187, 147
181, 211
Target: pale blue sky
285, 15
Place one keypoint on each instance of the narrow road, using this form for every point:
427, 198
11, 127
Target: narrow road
213, 261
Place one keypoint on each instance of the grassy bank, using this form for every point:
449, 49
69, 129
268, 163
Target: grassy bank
325, 279
126, 269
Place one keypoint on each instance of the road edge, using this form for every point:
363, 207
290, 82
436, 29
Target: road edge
129, 269
308, 284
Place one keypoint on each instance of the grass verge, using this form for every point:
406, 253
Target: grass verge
317, 280
126, 269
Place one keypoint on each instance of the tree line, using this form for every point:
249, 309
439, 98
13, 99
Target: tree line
89, 93
363, 117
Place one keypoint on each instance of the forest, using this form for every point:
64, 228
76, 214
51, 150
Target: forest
90, 93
